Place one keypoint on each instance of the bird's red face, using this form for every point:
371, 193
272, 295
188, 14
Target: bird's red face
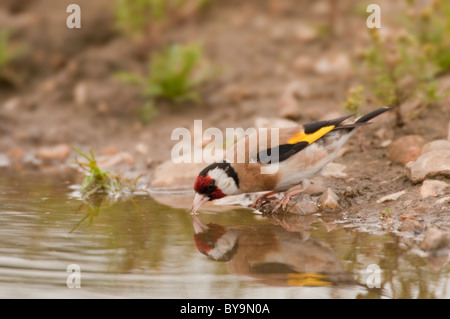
215, 181
205, 190
206, 186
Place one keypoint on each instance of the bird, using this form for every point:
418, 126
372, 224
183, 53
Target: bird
271, 254
302, 152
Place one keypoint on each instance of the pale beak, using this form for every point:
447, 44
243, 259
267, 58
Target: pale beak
199, 226
199, 200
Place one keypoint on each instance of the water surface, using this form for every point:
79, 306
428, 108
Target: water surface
142, 249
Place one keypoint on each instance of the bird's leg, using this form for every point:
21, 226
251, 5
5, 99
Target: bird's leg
293, 191
257, 204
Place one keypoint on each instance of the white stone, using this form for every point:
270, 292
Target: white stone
391, 197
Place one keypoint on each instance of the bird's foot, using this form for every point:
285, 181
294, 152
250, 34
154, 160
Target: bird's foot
287, 197
260, 201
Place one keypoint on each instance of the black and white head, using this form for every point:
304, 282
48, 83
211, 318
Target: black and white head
214, 240
215, 181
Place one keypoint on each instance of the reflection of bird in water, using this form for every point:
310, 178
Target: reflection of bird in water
272, 254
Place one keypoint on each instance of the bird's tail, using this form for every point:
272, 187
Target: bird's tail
371, 115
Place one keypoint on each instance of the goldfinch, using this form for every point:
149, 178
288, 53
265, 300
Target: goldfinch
302, 153
271, 253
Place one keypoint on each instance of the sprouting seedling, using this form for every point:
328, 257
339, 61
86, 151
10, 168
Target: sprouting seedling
98, 180
386, 213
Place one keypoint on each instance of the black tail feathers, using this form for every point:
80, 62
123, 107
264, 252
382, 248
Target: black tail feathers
371, 115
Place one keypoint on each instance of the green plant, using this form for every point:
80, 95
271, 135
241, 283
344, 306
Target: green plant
405, 64
174, 74
8, 52
432, 27
136, 16
98, 181
397, 69
355, 99
386, 213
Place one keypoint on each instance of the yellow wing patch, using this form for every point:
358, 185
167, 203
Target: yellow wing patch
312, 137
308, 279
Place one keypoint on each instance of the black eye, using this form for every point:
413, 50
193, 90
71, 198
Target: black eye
211, 187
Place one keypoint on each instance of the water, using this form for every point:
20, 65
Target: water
142, 249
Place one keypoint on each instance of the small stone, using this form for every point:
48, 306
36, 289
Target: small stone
102, 108
405, 149
303, 207
410, 225
170, 174
16, 153
328, 201
443, 200
435, 239
122, 158
80, 93
305, 33
58, 152
142, 148
49, 86
109, 151
4, 160
335, 170
288, 107
437, 145
338, 63
302, 63
432, 188
391, 197
12, 104
430, 164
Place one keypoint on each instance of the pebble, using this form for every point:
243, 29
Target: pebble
432, 188
288, 106
16, 153
4, 160
436, 145
405, 149
141, 148
391, 197
435, 239
305, 206
328, 201
336, 64
430, 164
80, 93
302, 63
57, 152
335, 170
115, 160
305, 33
410, 225
170, 174
443, 200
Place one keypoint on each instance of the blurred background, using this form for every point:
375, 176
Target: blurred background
138, 69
